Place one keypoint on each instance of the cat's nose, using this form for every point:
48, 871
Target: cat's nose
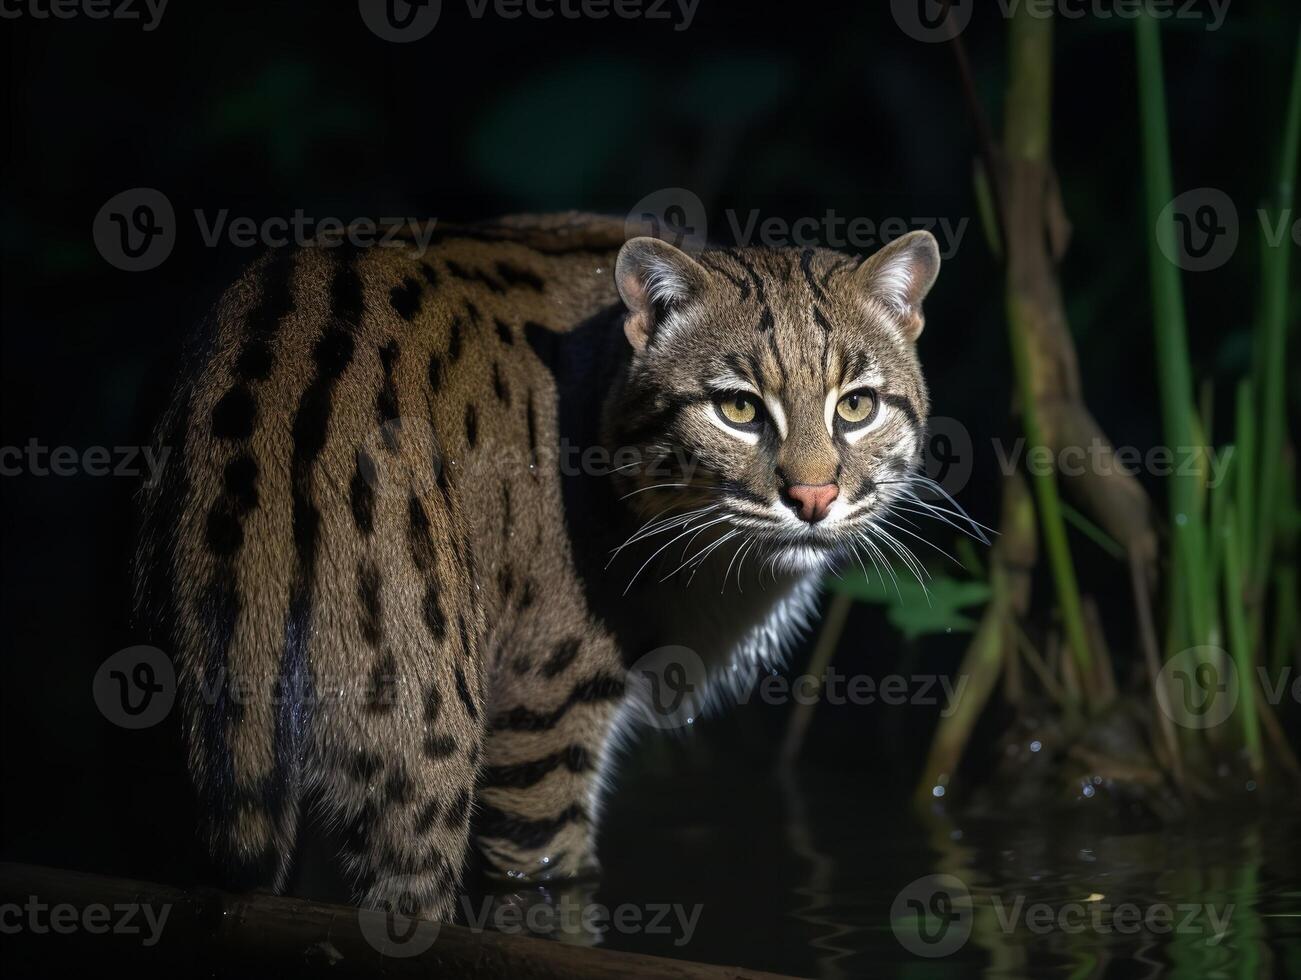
812, 502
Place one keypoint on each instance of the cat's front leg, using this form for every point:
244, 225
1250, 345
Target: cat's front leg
552, 707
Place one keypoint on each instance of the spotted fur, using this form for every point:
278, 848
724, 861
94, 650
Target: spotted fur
381, 552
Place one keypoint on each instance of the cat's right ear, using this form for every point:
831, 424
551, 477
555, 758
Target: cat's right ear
653, 278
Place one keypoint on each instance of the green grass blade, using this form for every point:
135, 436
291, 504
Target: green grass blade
1271, 340
1236, 616
1176, 386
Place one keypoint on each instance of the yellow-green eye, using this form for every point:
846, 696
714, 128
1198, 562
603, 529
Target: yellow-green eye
738, 408
857, 407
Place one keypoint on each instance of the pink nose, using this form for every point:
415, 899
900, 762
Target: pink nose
812, 502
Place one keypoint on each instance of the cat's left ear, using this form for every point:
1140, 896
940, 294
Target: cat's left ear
653, 278
900, 275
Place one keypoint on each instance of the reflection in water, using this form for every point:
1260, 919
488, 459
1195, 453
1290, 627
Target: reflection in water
800, 875
831, 941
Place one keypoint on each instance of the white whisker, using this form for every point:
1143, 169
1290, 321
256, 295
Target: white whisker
716, 520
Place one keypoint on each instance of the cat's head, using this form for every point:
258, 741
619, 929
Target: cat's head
779, 388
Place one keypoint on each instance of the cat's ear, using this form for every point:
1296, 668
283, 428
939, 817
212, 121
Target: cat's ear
653, 278
900, 275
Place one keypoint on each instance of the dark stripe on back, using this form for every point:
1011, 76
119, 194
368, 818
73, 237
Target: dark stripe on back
368, 599
458, 271
514, 275
405, 297
387, 411
435, 373
454, 340
361, 493
420, 536
234, 418
471, 426
331, 356
532, 423
499, 385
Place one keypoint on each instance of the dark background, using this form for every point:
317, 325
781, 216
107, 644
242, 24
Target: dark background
791, 109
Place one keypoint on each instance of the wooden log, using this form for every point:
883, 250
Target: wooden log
212, 933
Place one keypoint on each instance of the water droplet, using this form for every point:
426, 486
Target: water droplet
1251, 785
1036, 745
1181, 519
691, 721
1088, 790
937, 791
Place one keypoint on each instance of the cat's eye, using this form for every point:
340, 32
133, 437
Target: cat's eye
738, 408
858, 407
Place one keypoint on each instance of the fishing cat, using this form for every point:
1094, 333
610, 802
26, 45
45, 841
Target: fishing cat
423, 509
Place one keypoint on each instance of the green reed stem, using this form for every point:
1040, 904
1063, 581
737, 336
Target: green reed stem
1272, 336
1028, 137
1239, 640
1175, 371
